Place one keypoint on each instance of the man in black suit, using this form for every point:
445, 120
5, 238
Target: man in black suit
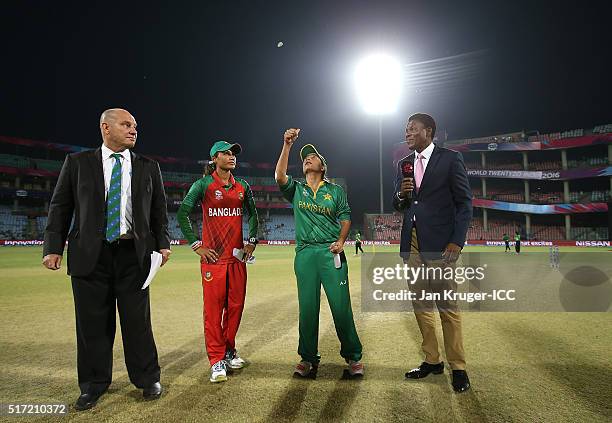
433, 192
118, 203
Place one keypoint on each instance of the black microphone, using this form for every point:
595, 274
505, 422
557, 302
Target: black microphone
407, 172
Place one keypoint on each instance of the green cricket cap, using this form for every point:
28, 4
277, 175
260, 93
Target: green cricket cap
311, 149
224, 146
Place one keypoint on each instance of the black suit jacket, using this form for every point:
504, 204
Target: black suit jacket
80, 193
442, 206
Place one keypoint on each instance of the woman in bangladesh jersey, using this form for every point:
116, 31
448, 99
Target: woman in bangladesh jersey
322, 223
224, 200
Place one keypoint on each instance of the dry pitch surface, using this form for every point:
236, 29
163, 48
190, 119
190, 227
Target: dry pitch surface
523, 366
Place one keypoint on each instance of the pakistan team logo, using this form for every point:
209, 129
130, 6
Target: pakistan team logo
327, 197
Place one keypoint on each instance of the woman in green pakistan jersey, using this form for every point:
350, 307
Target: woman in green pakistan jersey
322, 224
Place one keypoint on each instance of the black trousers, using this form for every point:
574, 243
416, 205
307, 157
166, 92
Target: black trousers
115, 283
358, 247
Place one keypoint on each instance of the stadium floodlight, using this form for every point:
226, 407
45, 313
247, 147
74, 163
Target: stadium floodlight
379, 79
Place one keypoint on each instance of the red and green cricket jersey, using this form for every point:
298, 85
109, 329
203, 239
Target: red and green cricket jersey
222, 209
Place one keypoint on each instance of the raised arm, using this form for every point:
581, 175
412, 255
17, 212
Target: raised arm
280, 174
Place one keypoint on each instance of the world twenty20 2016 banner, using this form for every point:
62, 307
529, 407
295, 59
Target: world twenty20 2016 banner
548, 174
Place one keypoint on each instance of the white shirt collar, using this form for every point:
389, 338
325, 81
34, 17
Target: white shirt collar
427, 152
106, 153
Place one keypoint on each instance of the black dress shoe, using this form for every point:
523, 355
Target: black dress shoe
152, 392
461, 381
424, 369
87, 400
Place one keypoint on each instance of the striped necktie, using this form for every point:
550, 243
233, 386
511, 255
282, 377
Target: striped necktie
113, 201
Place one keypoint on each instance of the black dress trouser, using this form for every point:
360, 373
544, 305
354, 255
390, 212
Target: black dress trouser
115, 283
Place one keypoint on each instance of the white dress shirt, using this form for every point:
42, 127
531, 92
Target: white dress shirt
426, 156
125, 213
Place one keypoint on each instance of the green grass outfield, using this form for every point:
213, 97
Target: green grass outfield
523, 366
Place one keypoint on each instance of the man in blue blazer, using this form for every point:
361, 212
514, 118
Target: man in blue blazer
433, 192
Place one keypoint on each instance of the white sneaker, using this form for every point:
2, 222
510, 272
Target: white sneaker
355, 368
218, 372
304, 369
234, 361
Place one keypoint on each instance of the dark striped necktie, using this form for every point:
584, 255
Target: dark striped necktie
113, 202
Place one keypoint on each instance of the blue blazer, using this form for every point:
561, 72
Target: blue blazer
442, 206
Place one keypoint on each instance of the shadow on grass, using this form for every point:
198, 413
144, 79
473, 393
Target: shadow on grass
340, 400
278, 321
288, 406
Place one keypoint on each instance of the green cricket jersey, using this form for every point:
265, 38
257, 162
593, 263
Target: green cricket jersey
517, 237
317, 213
358, 238
506, 238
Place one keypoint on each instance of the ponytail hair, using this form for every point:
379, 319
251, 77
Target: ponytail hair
209, 168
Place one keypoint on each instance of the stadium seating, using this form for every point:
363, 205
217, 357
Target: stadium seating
495, 232
278, 227
587, 162
50, 165
590, 234
473, 164
548, 165
497, 229
547, 197
546, 233
12, 226
494, 165
597, 196
501, 195
385, 227
513, 137
41, 223
180, 177
11, 160
603, 129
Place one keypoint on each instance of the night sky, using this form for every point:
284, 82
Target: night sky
194, 72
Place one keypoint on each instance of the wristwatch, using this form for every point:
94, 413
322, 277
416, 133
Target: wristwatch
253, 240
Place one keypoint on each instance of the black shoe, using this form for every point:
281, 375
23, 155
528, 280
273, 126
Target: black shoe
424, 369
152, 392
87, 400
461, 381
